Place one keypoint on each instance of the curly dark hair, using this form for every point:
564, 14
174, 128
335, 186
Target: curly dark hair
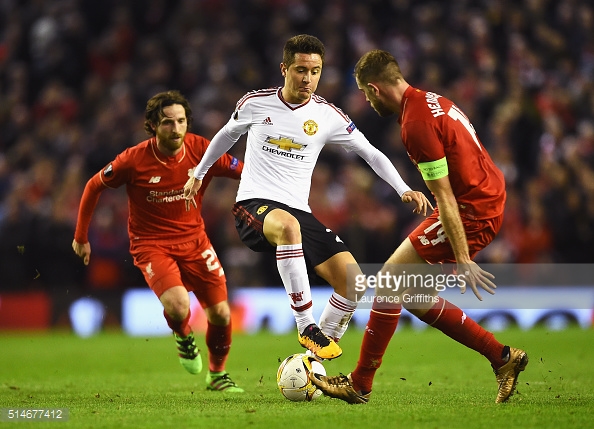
302, 44
154, 109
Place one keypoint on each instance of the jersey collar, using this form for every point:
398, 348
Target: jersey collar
289, 105
164, 159
407, 93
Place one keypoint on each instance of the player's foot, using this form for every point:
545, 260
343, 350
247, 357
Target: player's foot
221, 382
313, 355
507, 375
340, 387
319, 343
189, 355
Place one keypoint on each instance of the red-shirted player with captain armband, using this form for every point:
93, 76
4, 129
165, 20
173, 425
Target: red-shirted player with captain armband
470, 194
167, 237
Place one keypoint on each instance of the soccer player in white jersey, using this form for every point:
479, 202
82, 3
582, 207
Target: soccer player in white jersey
287, 128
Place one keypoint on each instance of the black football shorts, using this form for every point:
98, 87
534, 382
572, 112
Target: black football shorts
319, 242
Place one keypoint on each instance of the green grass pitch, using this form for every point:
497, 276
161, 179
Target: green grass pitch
426, 381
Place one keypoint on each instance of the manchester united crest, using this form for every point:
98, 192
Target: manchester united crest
310, 127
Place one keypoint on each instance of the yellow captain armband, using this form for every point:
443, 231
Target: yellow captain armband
434, 170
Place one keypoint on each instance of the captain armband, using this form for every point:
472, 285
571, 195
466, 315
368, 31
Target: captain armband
434, 170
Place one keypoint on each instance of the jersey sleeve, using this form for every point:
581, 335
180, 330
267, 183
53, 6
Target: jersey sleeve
118, 171
88, 201
227, 166
426, 150
343, 131
114, 175
423, 142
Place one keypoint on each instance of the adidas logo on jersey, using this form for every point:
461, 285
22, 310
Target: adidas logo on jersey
267, 121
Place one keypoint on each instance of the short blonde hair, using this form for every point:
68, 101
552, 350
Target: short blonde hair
378, 66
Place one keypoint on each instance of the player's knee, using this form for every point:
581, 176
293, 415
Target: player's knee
220, 319
219, 314
290, 230
176, 307
282, 228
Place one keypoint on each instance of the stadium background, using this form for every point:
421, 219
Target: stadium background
75, 77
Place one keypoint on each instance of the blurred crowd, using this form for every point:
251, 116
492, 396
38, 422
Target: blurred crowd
75, 76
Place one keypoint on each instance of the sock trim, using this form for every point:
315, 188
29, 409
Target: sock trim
443, 302
340, 305
288, 254
303, 307
387, 314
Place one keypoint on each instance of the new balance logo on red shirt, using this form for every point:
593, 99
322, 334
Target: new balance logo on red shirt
155, 179
267, 121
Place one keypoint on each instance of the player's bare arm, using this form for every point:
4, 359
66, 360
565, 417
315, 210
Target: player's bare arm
454, 229
420, 200
82, 250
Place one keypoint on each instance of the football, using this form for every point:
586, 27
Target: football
292, 377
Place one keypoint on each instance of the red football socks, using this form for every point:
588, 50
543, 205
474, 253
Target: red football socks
378, 332
181, 328
453, 322
218, 341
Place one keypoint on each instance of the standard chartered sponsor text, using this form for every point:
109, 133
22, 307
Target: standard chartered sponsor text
165, 196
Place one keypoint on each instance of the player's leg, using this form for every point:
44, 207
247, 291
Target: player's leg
218, 341
382, 323
283, 231
339, 310
269, 226
176, 309
203, 274
333, 262
162, 274
507, 362
355, 387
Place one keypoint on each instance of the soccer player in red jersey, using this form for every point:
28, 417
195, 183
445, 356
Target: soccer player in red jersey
470, 194
168, 240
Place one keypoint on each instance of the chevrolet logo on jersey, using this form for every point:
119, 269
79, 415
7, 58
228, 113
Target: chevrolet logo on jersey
285, 147
285, 143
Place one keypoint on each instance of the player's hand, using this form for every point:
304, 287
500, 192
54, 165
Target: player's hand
191, 188
476, 276
421, 201
82, 250
190, 203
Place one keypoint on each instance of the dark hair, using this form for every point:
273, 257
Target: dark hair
154, 109
377, 65
302, 44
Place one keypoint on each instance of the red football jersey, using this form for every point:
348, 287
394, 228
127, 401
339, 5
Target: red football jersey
155, 187
434, 128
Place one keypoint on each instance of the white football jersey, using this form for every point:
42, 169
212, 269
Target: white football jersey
283, 145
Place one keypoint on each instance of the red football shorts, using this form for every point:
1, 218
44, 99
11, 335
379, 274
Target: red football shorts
193, 264
431, 243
